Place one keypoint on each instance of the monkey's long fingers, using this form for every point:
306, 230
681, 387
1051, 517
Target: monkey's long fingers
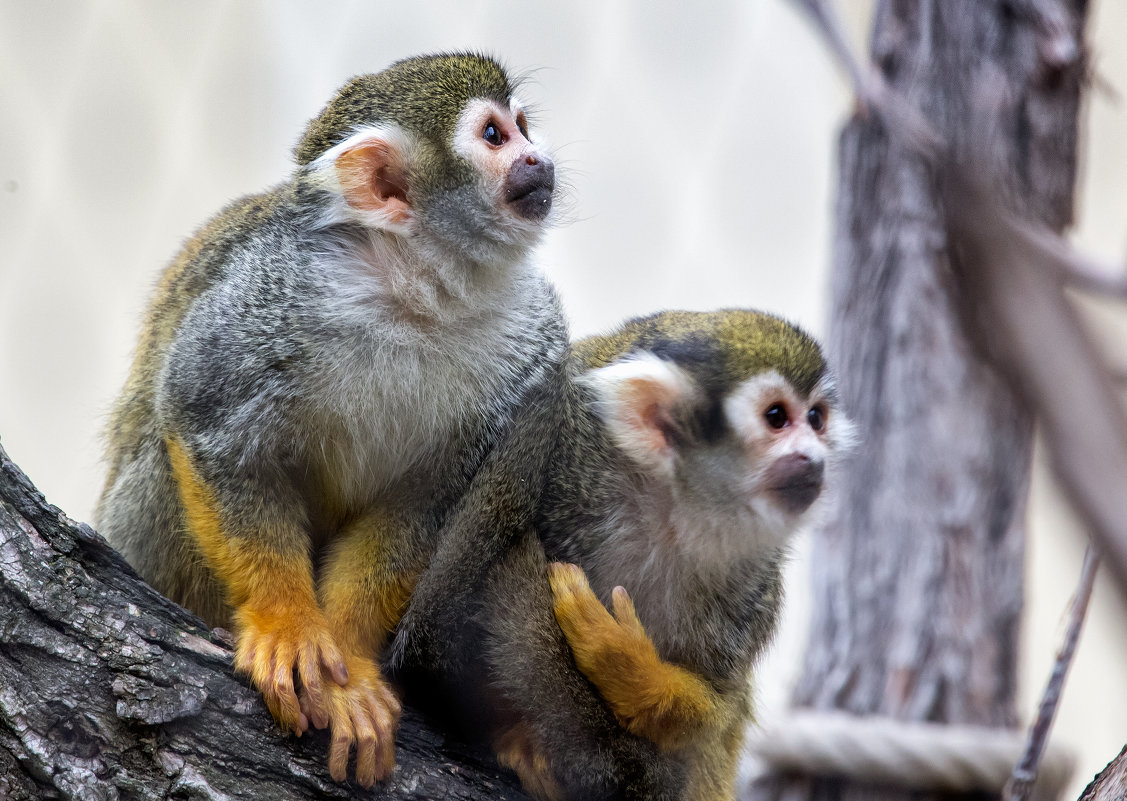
384, 708
366, 713
624, 611
269, 663
318, 654
280, 693
578, 610
340, 743
366, 740
313, 696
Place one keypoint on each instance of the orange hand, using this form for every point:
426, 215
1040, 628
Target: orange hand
650, 697
364, 713
271, 646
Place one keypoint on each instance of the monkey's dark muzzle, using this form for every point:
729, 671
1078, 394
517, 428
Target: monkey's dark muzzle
796, 482
529, 187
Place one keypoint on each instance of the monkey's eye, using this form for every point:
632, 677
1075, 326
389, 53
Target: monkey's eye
817, 418
776, 416
492, 135
522, 125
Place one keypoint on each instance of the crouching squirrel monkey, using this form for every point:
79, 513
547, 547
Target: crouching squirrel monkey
718, 434
690, 447
323, 369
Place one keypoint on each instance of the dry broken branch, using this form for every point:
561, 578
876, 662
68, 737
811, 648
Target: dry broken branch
873, 94
1012, 289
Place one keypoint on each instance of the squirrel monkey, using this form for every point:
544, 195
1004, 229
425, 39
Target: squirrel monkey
718, 433
323, 369
690, 447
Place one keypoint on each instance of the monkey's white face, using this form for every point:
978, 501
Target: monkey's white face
515, 173
735, 479
786, 440
751, 477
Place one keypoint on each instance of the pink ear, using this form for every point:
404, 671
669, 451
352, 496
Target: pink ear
637, 398
645, 408
373, 179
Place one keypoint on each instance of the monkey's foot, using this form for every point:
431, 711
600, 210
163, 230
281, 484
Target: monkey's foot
517, 752
650, 697
364, 713
272, 646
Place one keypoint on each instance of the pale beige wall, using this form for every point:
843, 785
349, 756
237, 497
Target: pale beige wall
698, 148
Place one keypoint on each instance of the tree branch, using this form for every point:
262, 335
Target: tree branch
1012, 289
1111, 782
1020, 785
108, 689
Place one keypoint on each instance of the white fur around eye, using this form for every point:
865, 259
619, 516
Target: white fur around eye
467, 135
627, 393
746, 405
516, 108
841, 433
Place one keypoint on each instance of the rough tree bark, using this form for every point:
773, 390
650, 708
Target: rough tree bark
110, 691
1111, 783
918, 575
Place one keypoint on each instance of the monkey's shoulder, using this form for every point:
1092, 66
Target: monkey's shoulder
251, 223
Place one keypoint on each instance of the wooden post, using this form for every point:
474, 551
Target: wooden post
918, 575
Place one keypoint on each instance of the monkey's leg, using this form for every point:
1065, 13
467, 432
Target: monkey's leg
268, 576
365, 582
652, 698
550, 725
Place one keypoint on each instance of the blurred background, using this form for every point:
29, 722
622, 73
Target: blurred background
699, 154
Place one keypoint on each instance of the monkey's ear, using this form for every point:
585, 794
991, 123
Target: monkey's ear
637, 398
371, 169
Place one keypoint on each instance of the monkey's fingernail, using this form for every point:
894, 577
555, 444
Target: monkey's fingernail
302, 724
340, 674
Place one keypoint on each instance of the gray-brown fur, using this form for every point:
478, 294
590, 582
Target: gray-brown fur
341, 354
593, 485
503, 659
510, 663
439, 85
238, 349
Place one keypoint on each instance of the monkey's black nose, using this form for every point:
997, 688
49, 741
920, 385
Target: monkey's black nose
529, 186
795, 481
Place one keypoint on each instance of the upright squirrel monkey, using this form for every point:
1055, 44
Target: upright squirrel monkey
693, 445
323, 369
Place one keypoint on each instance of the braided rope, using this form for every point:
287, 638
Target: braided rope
920, 756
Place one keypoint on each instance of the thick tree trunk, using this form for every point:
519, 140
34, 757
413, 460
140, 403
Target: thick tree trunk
108, 690
918, 575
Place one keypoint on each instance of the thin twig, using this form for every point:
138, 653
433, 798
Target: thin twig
903, 120
1025, 771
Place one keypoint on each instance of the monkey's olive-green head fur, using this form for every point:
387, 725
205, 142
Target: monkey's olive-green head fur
740, 342
423, 95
